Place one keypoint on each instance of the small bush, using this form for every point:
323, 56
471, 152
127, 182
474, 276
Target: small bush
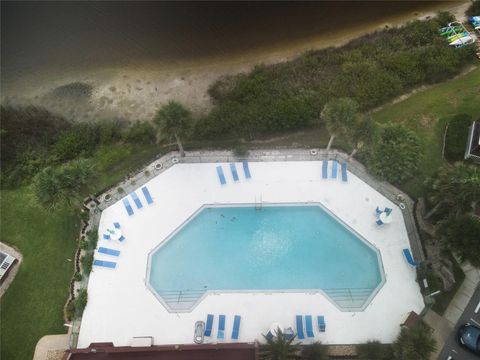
83, 245
81, 302
240, 150
81, 140
92, 238
77, 276
70, 310
87, 262
374, 350
142, 132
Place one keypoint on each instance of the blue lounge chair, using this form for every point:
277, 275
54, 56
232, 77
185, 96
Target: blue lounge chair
321, 323
299, 322
344, 172
106, 236
388, 211
246, 169
221, 327
378, 211
147, 195
309, 326
116, 225
136, 200
209, 326
129, 209
334, 169
121, 238
108, 251
236, 327
221, 176
107, 264
379, 222
233, 169
325, 169
288, 334
409, 257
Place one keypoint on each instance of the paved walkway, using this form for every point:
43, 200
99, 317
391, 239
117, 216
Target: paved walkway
441, 330
463, 295
51, 347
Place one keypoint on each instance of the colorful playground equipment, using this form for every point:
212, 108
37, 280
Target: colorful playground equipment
456, 35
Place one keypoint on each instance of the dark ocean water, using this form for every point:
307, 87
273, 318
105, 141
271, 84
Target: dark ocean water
36, 36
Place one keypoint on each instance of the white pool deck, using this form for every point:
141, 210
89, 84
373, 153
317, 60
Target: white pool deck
120, 306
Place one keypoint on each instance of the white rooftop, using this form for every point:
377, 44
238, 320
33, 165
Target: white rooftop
121, 307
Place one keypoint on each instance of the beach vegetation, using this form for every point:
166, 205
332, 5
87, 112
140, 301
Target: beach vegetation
370, 70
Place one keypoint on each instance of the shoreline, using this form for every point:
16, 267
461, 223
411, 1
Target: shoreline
135, 93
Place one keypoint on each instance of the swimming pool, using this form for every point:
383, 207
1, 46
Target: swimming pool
275, 248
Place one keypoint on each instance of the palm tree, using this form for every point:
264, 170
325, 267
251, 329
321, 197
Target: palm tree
362, 132
279, 348
339, 115
174, 121
455, 187
315, 351
414, 344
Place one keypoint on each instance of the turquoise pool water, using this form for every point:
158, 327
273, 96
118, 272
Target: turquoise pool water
275, 248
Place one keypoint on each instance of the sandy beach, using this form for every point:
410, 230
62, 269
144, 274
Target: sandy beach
135, 92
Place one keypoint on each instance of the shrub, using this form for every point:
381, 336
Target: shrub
395, 156
77, 276
81, 302
141, 132
456, 138
70, 310
80, 140
370, 70
315, 351
474, 9
83, 245
87, 262
414, 344
374, 350
240, 151
460, 234
92, 238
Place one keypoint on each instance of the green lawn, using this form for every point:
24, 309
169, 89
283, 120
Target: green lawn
32, 306
427, 113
